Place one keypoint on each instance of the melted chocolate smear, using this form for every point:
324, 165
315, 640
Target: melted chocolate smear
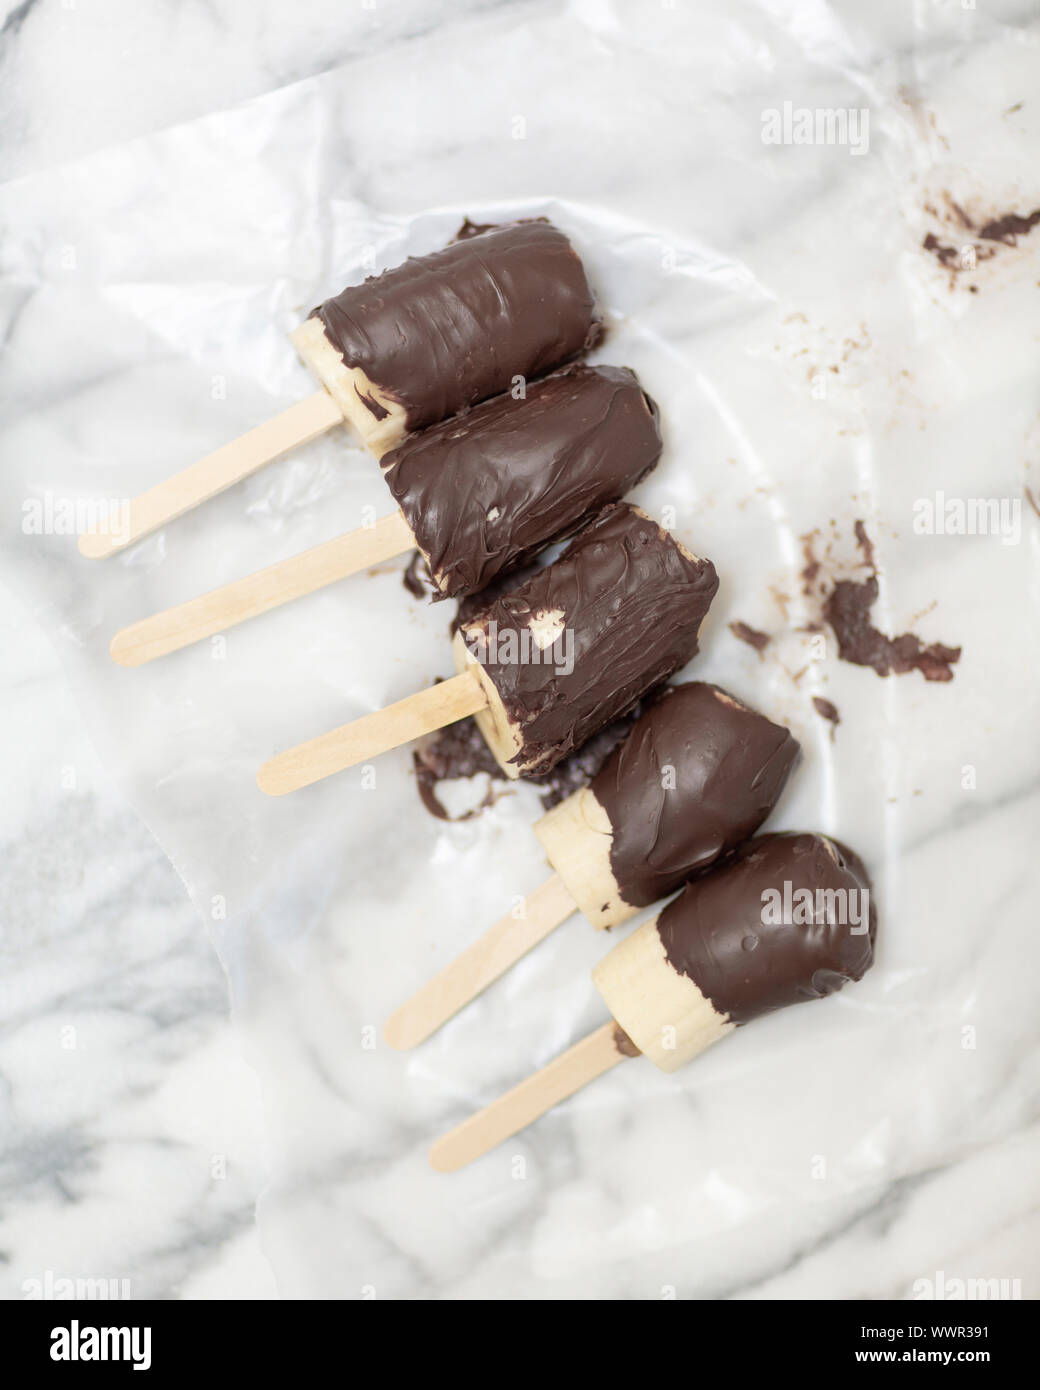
847, 609
847, 606
1002, 230
826, 710
1008, 228
460, 751
750, 635
369, 401
1032, 501
811, 563
457, 751
624, 1043
866, 545
949, 257
417, 578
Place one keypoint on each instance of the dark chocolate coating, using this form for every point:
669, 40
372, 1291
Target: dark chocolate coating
714, 931
441, 332
633, 602
729, 766
486, 492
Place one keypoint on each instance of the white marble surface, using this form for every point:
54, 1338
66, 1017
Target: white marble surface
144, 260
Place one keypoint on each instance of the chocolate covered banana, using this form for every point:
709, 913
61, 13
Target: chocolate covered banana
789, 919
697, 774
484, 493
550, 662
478, 495
404, 350
436, 335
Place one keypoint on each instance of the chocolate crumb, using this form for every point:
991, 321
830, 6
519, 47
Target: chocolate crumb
827, 710
750, 635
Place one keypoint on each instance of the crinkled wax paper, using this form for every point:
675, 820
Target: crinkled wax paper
813, 365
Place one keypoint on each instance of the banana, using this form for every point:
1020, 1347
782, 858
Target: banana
576, 836
663, 1012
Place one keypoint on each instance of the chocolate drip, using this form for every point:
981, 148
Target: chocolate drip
441, 332
697, 775
484, 493
417, 579
624, 1043
719, 931
631, 601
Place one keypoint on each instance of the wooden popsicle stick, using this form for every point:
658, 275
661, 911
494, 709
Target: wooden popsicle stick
217, 471
522, 1105
490, 956
372, 734
257, 593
